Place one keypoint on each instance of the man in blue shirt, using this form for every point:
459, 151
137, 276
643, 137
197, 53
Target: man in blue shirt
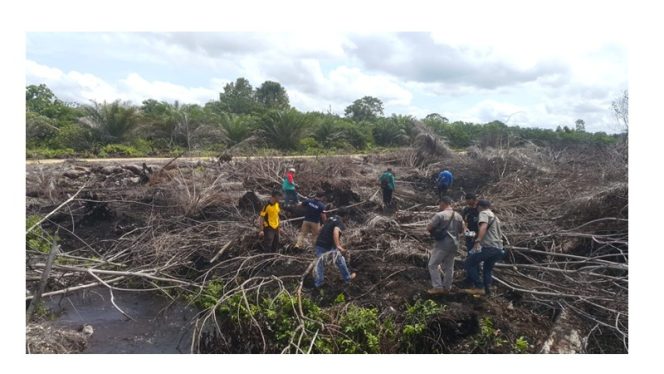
443, 182
314, 215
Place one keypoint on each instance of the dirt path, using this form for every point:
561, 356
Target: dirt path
161, 159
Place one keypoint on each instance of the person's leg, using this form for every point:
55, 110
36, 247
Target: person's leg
275, 241
268, 236
315, 229
448, 266
319, 269
389, 196
471, 265
385, 196
435, 260
494, 255
470, 242
302, 235
340, 261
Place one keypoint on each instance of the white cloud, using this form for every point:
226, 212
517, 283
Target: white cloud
82, 87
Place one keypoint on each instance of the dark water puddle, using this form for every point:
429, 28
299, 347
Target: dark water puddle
159, 326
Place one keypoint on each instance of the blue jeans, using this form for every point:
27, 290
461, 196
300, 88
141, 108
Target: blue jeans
489, 255
319, 270
470, 242
290, 197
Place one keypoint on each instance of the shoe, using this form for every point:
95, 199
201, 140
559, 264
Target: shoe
475, 291
437, 291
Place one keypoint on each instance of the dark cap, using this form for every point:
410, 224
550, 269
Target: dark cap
445, 199
275, 193
470, 196
484, 204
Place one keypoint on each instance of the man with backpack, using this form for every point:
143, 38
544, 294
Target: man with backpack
288, 186
447, 228
444, 182
329, 244
387, 185
268, 223
313, 216
488, 248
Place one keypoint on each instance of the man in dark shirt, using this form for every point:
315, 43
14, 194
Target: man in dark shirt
329, 244
314, 215
470, 216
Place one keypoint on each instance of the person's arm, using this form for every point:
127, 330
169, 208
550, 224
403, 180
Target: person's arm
480, 235
336, 235
323, 217
261, 222
435, 221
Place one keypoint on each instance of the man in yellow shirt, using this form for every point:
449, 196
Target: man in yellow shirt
268, 223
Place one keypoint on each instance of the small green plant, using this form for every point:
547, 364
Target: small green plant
489, 337
38, 239
520, 345
340, 299
209, 296
361, 328
417, 318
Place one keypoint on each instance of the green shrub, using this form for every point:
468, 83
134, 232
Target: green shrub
361, 328
520, 345
488, 338
120, 150
38, 239
416, 322
48, 153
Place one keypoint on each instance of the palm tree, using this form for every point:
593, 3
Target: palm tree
115, 121
283, 129
237, 128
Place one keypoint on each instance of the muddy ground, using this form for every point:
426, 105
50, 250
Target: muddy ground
193, 222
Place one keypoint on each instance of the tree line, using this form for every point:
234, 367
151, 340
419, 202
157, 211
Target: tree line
244, 119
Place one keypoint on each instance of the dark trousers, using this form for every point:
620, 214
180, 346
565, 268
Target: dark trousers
442, 190
270, 239
470, 242
489, 255
290, 197
387, 196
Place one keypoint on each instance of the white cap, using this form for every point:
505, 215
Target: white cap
292, 169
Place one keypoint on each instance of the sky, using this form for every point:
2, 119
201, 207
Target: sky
548, 81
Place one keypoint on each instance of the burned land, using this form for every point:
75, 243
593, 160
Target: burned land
186, 231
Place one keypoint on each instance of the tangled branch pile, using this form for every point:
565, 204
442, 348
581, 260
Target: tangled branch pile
188, 231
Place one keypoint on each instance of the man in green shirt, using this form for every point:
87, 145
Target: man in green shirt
387, 185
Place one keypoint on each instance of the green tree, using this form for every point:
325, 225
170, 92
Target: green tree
41, 100
580, 125
237, 128
436, 118
283, 129
367, 108
115, 121
272, 95
39, 129
238, 97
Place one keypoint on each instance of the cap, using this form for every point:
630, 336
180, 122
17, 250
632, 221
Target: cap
484, 204
292, 169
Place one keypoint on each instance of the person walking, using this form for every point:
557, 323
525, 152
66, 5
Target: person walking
387, 185
488, 248
268, 223
313, 217
329, 244
288, 186
447, 228
444, 182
